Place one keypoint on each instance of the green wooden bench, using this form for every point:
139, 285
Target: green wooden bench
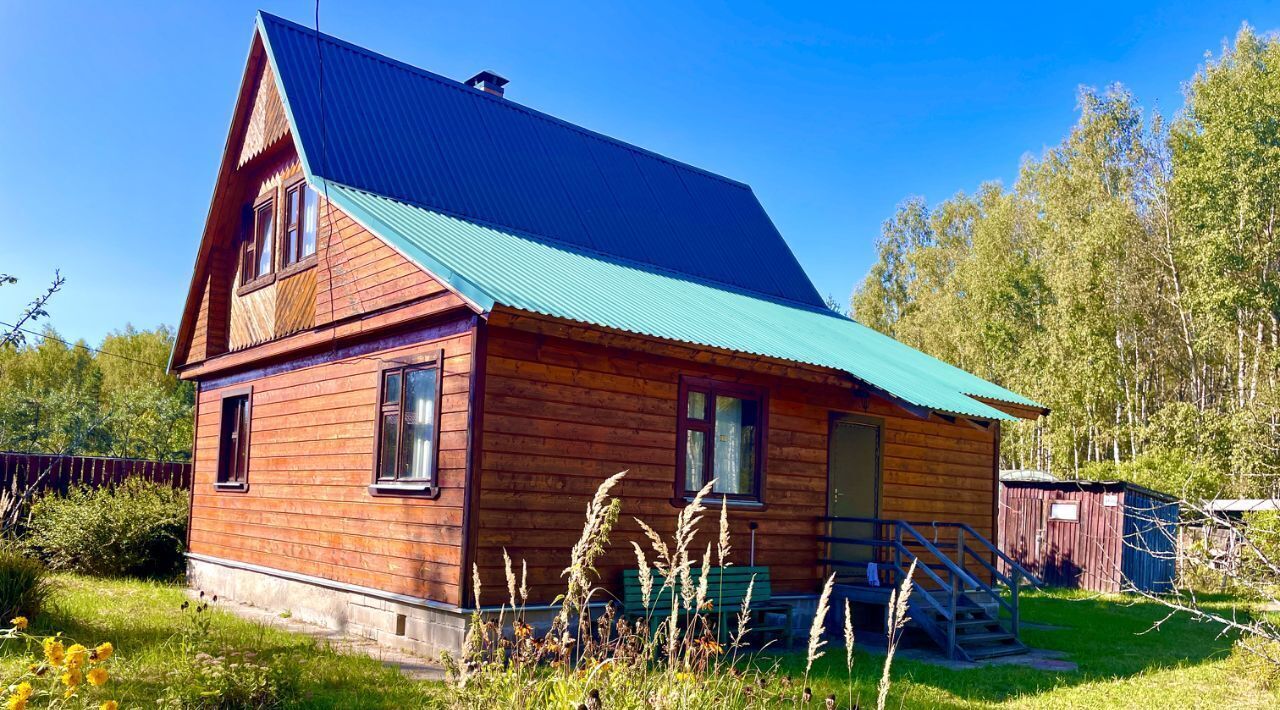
726, 588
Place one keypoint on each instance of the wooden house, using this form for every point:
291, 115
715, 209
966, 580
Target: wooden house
1107, 536
426, 322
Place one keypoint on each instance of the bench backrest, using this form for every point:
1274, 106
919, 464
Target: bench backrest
726, 587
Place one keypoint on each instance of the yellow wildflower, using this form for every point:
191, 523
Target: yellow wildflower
15, 703
19, 623
102, 652
72, 678
109, 705
97, 676
23, 690
53, 651
76, 656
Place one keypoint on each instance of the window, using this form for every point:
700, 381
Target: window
233, 442
1064, 510
257, 248
300, 214
721, 435
408, 416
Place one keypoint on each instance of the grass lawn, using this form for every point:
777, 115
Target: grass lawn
1183, 664
1122, 664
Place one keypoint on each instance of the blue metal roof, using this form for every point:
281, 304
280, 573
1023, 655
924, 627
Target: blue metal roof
491, 266
510, 206
399, 131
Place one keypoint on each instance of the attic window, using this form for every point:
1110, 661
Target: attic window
301, 211
257, 247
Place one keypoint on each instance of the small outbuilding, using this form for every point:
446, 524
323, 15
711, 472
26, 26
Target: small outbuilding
1107, 536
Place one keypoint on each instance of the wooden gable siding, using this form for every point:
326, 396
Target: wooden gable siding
254, 314
267, 122
561, 415
356, 273
307, 508
361, 273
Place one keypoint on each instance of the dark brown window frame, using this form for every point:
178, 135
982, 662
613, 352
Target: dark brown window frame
287, 268
712, 387
417, 487
252, 245
222, 481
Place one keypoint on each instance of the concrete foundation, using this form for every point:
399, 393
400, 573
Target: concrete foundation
418, 627
414, 626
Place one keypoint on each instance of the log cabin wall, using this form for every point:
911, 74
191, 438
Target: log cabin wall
307, 508
564, 407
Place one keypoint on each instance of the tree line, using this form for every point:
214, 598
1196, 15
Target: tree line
1128, 280
116, 399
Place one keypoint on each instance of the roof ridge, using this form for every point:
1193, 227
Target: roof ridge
598, 254
515, 105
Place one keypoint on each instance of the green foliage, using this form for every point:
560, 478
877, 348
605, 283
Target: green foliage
230, 681
1262, 556
136, 529
60, 398
1127, 280
24, 584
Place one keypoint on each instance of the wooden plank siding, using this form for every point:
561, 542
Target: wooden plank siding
307, 508
267, 123
359, 273
1084, 553
561, 415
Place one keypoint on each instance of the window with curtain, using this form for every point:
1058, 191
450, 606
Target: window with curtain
301, 213
408, 405
256, 261
720, 436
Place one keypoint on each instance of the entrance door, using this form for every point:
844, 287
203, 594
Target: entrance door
853, 486
1026, 532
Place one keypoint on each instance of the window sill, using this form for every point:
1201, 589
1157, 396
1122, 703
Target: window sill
297, 267
420, 489
231, 487
713, 501
254, 285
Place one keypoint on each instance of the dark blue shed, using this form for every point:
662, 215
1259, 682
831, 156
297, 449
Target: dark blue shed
1107, 536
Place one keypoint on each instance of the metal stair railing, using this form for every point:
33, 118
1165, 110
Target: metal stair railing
1014, 580
903, 541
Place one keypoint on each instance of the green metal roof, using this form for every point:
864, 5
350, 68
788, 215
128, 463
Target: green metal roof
489, 265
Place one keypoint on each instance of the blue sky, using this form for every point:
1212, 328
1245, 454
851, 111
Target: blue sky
113, 115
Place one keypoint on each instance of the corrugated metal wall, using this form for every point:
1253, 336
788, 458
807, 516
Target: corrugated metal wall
1151, 542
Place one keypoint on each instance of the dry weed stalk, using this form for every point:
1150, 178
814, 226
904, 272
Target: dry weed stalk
899, 599
602, 514
646, 579
745, 615
722, 547
816, 629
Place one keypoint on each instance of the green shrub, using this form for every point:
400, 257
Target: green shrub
24, 584
135, 529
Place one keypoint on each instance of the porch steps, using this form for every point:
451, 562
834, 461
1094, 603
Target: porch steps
979, 632
957, 598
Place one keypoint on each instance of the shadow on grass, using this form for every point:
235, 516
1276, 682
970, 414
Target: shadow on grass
1110, 638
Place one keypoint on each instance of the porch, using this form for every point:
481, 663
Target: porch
956, 599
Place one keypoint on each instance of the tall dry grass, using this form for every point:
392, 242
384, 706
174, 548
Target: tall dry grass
592, 656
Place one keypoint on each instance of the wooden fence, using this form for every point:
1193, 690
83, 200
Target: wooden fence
19, 471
